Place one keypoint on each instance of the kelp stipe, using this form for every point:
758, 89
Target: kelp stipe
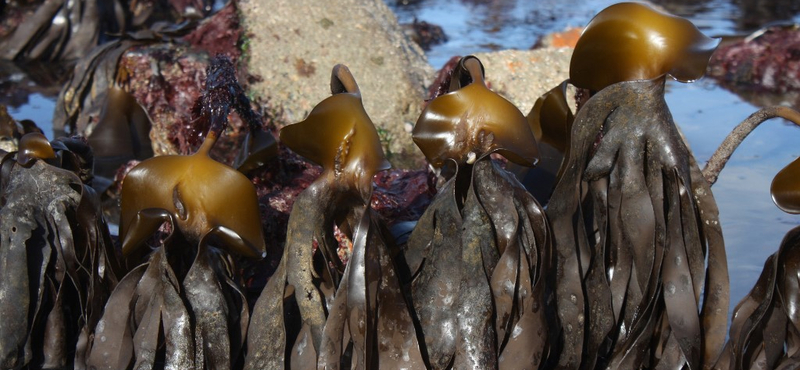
315, 312
480, 252
636, 227
183, 308
57, 262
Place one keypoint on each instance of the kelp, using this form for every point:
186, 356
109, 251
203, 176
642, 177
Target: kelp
63, 30
765, 327
315, 312
67, 30
84, 96
57, 261
550, 120
184, 307
642, 278
481, 253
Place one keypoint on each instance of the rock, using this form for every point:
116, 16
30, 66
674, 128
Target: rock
425, 34
564, 39
292, 46
765, 62
521, 76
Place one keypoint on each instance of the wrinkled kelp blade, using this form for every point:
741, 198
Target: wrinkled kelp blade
266, 338
113, 345
435, 289
210, 312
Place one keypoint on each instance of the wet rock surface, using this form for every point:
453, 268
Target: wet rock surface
767, 61
292, 45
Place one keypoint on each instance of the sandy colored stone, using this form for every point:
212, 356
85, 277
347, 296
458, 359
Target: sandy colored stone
521, 76
292, 46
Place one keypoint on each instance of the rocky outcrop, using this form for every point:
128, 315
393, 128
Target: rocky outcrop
522, 76
292, 46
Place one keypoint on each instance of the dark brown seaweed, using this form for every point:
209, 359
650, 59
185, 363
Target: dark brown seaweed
480, 252
315, 312
57, 263
635, 226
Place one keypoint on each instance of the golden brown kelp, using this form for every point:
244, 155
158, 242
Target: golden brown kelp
57, 262
183, 308
315, 312
480, 253
550, 119
639, 245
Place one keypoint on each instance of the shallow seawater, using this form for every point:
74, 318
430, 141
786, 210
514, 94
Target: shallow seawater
753, 227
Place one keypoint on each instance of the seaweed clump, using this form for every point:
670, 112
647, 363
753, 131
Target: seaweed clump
479, 254
642, 278
184, 306
57, 262
315, 312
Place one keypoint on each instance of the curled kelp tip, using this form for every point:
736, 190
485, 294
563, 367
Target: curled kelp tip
471, 121
200, 194
551, 119
632, 41
34, 146
339, 135
785, 188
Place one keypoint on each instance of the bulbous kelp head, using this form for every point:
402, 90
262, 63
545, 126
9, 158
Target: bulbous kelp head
471, 121
339, 135
785, 188
200, 195
34, 146
632, 41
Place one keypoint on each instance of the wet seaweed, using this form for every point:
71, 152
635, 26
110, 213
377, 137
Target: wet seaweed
642, 277
57, 261
479, 255
184, 307
315, 312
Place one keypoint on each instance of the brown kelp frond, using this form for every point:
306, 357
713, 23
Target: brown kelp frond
765, 328
186, 308
479, 288
471, 121
61, 30
167, 311
314, 312
32, 147
121, 134
630, 229
479, 254
81, 100
550, 119
784, 189
57, 262
202, 195
632, 41
721, 156
339, 135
